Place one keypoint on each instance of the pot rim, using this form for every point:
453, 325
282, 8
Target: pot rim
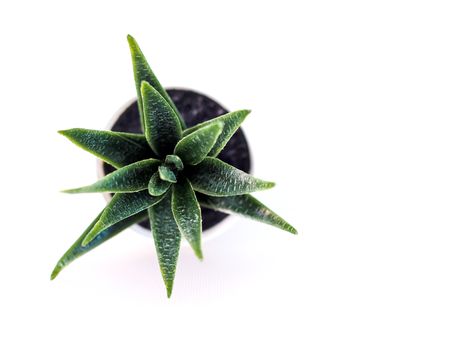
208, 234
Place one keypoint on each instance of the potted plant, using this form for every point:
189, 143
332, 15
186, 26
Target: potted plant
166, 173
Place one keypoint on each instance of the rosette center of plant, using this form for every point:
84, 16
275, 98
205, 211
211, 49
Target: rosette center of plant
174, 161
167, 174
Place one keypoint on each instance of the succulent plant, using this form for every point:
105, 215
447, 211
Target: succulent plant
165, 174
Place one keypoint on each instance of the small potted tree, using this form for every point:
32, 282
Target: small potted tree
169, 171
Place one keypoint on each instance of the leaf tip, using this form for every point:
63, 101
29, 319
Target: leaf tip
153, 191
167, 174
269, 184
292, 230
147, 88
145, 84
92, 234
69, 133
132, 43
168, 288
56, 271
243, 113
64, 132
198, 252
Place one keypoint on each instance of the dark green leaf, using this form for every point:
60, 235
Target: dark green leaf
167, 240
130, 178
161, 125
143, 72
231, 122
116, 148
157, 186
193, 148
122, 206
76, 250
248, 206
187, 214
167, 174
174, 160
216, 178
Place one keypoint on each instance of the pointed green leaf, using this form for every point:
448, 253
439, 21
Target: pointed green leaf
130, 178
247, 206
193, 148
161, 125
143, 72
167, 174
122, 206
167, 239
76, 250
116, 148
187, 214
174, 160
231, 122
216, 178
157, 186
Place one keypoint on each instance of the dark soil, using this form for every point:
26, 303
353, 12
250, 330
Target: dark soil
194, 108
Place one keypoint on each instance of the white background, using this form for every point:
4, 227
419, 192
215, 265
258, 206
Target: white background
359, 115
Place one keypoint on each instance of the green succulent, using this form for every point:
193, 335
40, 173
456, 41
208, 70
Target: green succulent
165, 174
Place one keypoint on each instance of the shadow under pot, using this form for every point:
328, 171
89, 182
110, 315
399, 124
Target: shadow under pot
195, 108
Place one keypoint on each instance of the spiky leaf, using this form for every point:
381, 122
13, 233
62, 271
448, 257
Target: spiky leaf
231, 122
77, 250
193, 148
130, 178
122, 206
116, 148
167, 174
143, 72
187, 214
157, 186
161, 124
247, 206
167, 239
216, 178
